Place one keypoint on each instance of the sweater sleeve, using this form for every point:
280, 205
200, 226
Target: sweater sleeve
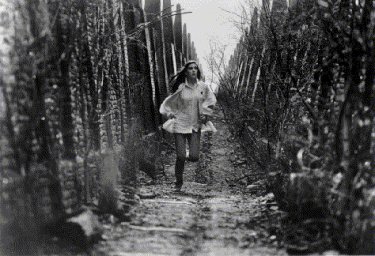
170, 105
209, 100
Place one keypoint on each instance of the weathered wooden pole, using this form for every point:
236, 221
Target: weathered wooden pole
138, 72
184, 44
194, 52
188, 46
260, 50
38, 25
153, 11
149, 77
245, 74
252, 34
243, 58
151, 68
247, 83
169, 37
263, 57
177, 27
202, 71
135, 3
131, 59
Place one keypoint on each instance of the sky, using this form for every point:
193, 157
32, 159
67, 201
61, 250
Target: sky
210, 20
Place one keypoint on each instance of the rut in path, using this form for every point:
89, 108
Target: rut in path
203, 219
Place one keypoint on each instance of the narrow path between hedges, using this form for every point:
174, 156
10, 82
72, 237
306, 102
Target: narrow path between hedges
216, 213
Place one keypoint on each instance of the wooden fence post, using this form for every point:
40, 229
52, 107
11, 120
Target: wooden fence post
168, 38
151, 67
188, 55
184, 44
177, 26
153, 12
253, 38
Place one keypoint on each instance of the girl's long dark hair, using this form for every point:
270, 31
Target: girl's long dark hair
180, 77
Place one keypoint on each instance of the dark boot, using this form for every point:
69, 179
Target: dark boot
179, 170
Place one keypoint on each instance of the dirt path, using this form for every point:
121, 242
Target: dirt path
204, 219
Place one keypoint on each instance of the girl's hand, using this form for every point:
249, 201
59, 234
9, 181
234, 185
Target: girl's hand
170, 116
204, 119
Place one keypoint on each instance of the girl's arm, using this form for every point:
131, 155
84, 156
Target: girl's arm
208, 102
171, 104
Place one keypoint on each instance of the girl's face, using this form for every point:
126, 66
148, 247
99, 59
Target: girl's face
192, 71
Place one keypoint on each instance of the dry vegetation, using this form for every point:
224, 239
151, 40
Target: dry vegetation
299, 91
